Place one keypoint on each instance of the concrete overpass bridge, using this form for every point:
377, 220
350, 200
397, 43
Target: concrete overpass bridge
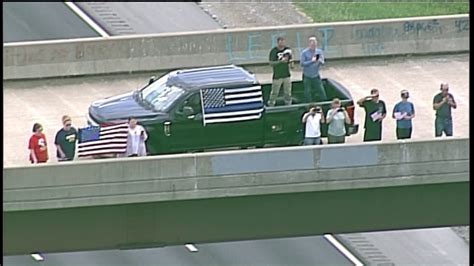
236, 195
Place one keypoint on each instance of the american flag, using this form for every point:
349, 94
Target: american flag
231, 104
97, 140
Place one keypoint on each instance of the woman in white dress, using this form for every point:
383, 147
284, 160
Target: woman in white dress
136, 139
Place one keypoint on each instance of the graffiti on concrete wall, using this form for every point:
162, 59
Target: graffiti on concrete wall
375, 39
417, 27
257, 46
372, 38
461, 25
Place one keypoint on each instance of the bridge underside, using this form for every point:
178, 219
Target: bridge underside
235, 218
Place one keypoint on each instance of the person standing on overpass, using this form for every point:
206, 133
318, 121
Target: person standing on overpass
281, 61
375, 113
136, 139
337, 118
442, 103
311, 60
404, 112
65, 140
38, 146
312, 121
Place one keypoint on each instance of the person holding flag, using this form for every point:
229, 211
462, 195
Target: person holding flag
136, 139
103, 141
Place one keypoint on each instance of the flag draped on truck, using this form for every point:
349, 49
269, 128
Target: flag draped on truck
231, 104
97, 140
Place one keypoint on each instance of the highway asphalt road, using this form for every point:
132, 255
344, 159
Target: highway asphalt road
33, 21
435, 246
286, 251
125, 18
438, 246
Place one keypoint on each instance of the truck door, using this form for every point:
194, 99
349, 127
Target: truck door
234, 116
234, 134
185, 131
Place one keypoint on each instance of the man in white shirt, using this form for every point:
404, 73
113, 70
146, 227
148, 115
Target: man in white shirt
312, 121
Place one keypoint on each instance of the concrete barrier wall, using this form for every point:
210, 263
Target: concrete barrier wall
235, 173
239, 46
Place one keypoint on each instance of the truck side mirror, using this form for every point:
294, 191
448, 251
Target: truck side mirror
152, 79
188, 110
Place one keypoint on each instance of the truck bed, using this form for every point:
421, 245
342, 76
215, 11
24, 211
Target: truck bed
332, 88
283, 118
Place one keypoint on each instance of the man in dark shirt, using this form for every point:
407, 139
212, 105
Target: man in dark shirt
65, 140
442, 103
375, 112
281, 60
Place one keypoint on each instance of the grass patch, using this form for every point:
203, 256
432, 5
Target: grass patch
331, 11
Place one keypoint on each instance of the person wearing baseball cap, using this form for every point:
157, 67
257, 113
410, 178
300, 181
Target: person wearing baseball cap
404, 112
65, 140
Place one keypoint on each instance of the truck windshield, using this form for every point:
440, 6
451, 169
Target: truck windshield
159, 95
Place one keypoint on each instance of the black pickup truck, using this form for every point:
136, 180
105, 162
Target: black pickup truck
170, 109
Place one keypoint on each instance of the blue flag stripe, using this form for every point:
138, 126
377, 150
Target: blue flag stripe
236, 107
231, 104
233, 119
235, 114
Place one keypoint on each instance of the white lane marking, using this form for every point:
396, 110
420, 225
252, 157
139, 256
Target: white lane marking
37, 257
343, 250
191, 248
86, 18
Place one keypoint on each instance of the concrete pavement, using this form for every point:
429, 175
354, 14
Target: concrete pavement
47, 100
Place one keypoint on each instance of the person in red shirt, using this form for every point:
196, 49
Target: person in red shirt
38, 146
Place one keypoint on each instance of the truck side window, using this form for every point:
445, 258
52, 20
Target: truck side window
194, 102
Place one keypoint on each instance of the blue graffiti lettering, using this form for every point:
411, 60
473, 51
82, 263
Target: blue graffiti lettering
427, 27
368, 33
373, 48
298, 42
462, 25
328, 33
253, 44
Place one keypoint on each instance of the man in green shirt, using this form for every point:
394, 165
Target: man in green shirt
281, 60
375, 112
443, 102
